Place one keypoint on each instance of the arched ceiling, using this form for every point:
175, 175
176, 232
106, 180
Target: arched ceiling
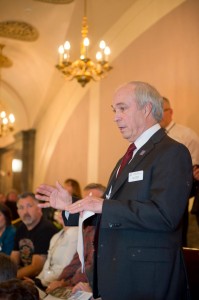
31, 31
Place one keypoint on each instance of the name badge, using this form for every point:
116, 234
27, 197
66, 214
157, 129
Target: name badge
136, 176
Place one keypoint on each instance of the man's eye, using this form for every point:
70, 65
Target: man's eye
122, 109
119, 109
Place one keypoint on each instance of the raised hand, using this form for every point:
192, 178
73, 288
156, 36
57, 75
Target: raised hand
57, 197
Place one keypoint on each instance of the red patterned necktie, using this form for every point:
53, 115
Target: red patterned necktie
127, 157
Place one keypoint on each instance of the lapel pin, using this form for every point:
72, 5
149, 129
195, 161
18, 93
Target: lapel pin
142, 152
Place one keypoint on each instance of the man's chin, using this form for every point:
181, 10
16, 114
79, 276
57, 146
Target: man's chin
27, 222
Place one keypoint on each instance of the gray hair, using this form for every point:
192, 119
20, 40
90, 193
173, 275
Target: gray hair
97, 186
146, 93
27, 194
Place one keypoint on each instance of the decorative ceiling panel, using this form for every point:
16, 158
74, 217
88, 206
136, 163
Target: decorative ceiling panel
18, 30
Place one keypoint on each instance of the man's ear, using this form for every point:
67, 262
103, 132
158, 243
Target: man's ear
147, 109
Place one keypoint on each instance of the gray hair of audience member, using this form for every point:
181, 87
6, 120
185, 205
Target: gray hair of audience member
15, 289
8, 269
146, 93
27, 194
97, 186
7, 213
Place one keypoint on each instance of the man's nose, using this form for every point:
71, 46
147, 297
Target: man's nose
25, 210
117, 116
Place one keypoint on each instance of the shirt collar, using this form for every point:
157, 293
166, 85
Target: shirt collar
146, 135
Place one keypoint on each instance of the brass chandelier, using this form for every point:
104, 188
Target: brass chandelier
84, 69
6, 120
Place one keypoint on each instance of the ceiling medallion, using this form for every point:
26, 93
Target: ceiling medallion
56, 1
18, 30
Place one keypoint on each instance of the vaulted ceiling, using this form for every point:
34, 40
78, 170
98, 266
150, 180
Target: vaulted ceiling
32, 31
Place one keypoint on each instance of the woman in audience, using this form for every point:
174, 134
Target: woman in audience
11, 203
7, 231
73, 187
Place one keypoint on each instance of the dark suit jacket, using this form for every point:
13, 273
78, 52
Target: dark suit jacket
139, 254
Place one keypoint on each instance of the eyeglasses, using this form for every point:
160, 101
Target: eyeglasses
167, 109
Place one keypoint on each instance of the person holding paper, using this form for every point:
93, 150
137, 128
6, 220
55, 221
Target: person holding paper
138, 252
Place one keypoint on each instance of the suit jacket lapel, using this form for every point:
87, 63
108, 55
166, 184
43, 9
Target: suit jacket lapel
139, 156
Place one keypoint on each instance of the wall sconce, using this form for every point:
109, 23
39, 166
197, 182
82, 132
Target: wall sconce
16, 165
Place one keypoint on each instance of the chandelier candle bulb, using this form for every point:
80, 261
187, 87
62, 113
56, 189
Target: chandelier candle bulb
61, 53
99, 56
67, 51
107, 52
11, 118
5, 121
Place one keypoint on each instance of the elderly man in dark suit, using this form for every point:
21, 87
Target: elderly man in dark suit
138, 249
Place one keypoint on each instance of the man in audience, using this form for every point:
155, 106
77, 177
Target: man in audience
190, 139
32, 237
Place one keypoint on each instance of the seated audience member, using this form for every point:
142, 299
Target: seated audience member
11, 202
72, 274
2, 198
57, 221
32, 237
8, 269
73, 187
7, 231
15, 289
63, 246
